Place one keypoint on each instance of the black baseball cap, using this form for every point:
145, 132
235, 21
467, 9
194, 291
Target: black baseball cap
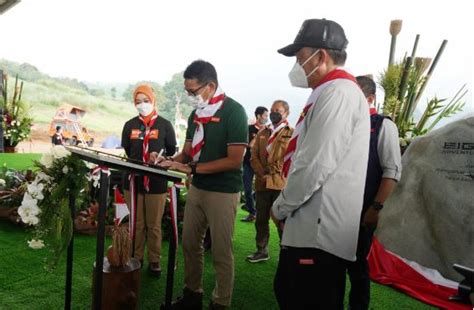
318, 33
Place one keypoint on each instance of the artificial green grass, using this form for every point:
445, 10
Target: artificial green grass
24, 284
18, 161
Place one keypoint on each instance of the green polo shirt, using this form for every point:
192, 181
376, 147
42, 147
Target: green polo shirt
228, 127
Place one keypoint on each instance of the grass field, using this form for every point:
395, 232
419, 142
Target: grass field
18, 161
24, 284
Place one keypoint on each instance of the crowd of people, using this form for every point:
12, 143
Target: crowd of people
322, 182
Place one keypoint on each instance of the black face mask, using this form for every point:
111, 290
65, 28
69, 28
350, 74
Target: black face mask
275, 117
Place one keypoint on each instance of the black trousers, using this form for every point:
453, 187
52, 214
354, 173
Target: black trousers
358, 271
309, 278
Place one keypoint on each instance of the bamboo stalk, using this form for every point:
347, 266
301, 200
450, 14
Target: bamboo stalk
430, 71
395, 28
21, 91
15, 92
4, 89
406, 71
404, 81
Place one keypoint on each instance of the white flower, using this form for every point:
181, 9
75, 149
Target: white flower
29, 201
59, 151
13, 123
36, 244
2, 182
18, 123
36, 190
41, 176
65, 169
402, 142
29, 210
47, 160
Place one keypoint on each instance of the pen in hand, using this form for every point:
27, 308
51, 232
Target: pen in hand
159, 155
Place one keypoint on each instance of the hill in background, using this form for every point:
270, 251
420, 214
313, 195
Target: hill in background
108, 105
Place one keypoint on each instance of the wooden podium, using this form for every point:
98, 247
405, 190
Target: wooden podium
106, 161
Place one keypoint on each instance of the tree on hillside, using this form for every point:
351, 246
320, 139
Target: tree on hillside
174, 87
97, 92
25, 71
113, 92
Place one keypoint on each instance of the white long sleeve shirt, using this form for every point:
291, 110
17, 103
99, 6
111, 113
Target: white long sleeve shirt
388, 149
322, 201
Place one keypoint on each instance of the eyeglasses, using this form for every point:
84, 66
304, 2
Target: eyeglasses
195, 91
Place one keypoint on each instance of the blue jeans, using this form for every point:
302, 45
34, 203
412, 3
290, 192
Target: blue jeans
248, 182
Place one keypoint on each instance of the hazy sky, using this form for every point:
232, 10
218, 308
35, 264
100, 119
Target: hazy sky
126, 41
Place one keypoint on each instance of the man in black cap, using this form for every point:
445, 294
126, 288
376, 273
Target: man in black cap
326, 163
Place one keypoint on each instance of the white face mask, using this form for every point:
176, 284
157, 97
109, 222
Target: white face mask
297, 75
262, 121
144, 108
198, 102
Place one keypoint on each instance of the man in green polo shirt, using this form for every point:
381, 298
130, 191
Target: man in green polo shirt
216, 139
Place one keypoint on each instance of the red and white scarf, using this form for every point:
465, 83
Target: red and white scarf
372, 109
325, 82
202, 117
145, 150
273, 135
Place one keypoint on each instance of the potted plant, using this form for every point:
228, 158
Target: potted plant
404, 83
17, 122
12, 189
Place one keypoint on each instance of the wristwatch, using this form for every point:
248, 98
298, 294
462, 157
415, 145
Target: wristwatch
377, 205
193, 166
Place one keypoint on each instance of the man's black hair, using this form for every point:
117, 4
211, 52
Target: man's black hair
58, 128
260, 111
203, 71
367, 85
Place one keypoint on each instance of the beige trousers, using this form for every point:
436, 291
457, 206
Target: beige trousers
150, 208
217, 211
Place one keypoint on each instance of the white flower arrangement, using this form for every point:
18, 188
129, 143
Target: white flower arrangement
45, 204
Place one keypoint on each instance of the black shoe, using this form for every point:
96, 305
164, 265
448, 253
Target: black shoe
249, 218
154, 269
214, 306
189, 301
258, 257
